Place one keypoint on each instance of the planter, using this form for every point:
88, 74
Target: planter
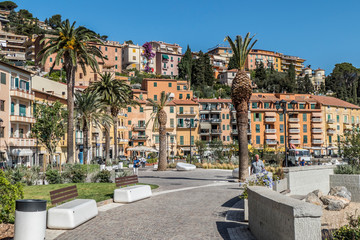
281, 185
350, 181
246, 210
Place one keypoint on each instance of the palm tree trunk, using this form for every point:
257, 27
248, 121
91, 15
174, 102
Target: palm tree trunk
107, 143
242, 125
162, 148
70, 107
86, 141
115, 138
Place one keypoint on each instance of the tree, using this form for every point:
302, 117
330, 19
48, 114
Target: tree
50, 125
241, 91
308, 86
23, 13
75, 46
217, 147
201, 148
129, 42
55, 21
185, 66
160, 118
116, 94
89, 111
233, 64
349, 146
8, 5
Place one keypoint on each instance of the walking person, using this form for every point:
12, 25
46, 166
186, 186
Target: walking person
257, 166
136, 166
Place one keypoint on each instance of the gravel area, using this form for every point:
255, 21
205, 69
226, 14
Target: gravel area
6, 231
336, 219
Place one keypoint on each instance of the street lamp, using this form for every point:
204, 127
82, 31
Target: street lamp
188, 121
167, 146
282, 104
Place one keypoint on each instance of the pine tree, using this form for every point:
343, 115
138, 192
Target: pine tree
185, 66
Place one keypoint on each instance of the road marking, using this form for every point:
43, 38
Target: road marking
217, 183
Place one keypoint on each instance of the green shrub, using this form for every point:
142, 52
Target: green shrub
171, 165
347, 169
103, 176
75, 173
53, 176
350, 231
9, 193
152, 160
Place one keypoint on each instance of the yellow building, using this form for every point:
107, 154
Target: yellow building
298, 63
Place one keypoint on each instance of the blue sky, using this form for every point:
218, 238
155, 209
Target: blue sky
324, 32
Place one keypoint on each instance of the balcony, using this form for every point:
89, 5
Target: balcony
316, 119
317, 141
139, 128
204, 133
23, 119
187, 113
330, 121
215, 110
20, 93
187, 126
270, 130
294, 130
293, 120
79, 141
215, 120
234, 132
139, 137
121, 140
294, 141
331, 131
22, 142
216, 131
271, 142
316, 130
270, 119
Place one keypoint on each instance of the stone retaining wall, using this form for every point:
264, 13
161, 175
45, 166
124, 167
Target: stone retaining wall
302, 180
273, 216
350, 181
281, 185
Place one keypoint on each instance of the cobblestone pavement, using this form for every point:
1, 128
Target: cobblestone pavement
191, 213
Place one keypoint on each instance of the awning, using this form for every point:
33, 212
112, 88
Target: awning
205, 125
270, 114
271, 137
22, 152
187, 149
165, 56
294, 137
316, 114
294, 125
317, 125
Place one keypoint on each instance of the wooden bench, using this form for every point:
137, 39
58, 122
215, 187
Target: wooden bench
71, 214
130, 193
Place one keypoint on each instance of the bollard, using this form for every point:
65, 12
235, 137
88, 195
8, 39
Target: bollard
30, 219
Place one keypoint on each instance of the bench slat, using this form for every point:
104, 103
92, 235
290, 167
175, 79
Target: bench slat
125, 184
129, 178
122, 181
63, 189
67, 197
63, 194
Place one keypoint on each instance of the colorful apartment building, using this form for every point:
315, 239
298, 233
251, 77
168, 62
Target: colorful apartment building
167, 58
12, 47
316, 76
287, 60
16, 115
267, 58
112, 61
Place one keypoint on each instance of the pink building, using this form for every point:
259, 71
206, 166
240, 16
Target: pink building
167, 58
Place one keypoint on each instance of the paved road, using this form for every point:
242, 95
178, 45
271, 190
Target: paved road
187, 205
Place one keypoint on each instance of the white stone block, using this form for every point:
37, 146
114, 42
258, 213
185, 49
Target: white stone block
71, 214
185, 166
132, 193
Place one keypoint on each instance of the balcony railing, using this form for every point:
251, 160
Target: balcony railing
121, 140
317, 130
294, 130
204, 133
187, 126
316, 119
293, 141
215, 120
187, 113
271, 142
331, 132
330, 121
317, 141
216, 131
139, 137
293, 120
268, 119
22, 142
234, 132
270, 130
139, 127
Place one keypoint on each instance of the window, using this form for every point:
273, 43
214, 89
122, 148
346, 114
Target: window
338, 127
178, 59
50, 59
254, 105
281, 128
2, 132
154, 109
171, 109
22, 110
172, 65
228, 127
257, 117
155, 97
129, 109
352, 119
305, 128
228, 138
192, 110
164, 65
192, 140
223, 127
115, 58
337, 118
3, 78
170, 84
304, 117
257, 128
115, 66
267, 105
106, 57
172, 139
282, 139
345, 119
181, 110
2, 105
115, 49
80, 75
180, 96
12, 108
281, 115
99, 47
141, 109
134, 58
305, 140
328, 116
171, 122
178, 87
62, 60
223, 116
187, 96
257, 139
227, 116
312, 105
181, 140
330, 139
155, 84
105, 48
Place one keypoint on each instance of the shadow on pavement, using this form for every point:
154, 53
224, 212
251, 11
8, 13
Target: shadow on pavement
231, 202
185, 178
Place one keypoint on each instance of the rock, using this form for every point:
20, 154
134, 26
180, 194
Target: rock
335, 203
312, 198
318, 193
340, 191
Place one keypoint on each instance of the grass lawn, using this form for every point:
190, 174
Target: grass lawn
97, 191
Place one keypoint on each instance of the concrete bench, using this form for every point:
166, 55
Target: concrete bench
185, 166
71, 214
130, 193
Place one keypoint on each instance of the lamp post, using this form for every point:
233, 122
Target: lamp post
188, 121
282, 104
167, 146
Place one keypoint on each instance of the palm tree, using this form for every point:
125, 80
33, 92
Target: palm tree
89, 109
160, 118
72, 45
241, 91
116, 94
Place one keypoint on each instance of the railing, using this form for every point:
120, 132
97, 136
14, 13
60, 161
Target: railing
293, 141
270, 130
316, 141
204, 133
267, 119
294, 130
139, 127
234, 132
271, 142
316, 119
15, 118
329, 131
187, 126
23, 142
330, 121
216, 131
139, 137
187, 113
120, 140
215, 120
317, 130
293, 120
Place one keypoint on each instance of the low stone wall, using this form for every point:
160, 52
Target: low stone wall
350, 181
273, 216
302, 180
281, 185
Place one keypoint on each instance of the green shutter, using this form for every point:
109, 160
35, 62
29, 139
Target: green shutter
3, 78
171, 109
181, 140
16, 82
192, 140
254, 117
129, 109
12, 108
27, 86
260, 117
181, 109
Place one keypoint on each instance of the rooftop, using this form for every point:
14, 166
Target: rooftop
185, 102
331, 101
